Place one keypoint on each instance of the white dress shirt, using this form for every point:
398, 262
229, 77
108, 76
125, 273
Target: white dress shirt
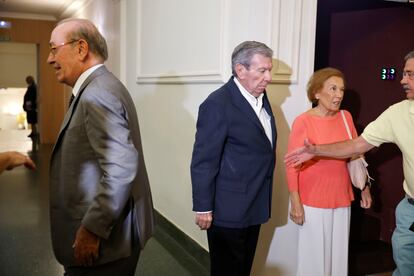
257, 105
83, 77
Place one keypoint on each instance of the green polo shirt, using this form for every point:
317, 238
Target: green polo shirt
396, 125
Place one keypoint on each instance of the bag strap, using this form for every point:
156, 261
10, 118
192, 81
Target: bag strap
346, 124
369, 178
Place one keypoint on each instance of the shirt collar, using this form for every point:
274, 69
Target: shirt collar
83, 77
411, 106
249, 97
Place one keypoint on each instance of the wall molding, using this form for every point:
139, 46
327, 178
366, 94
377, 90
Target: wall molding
200, 76
284, 24
285, 19
182, 77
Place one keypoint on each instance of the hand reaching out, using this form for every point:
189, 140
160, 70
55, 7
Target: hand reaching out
12, 159
300, 155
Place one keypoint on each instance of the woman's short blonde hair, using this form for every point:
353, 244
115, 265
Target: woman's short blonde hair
317, 80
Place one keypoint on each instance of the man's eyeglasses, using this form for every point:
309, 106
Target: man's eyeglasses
408, 74
53, 49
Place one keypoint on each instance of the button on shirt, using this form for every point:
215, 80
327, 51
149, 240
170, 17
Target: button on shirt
257, 105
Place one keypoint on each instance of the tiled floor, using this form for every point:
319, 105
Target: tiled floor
25, 247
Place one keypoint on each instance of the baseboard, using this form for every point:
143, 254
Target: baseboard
175, 240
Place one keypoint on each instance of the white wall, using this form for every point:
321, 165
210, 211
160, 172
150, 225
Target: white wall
106, 16
172, 54
17, 61
183, 54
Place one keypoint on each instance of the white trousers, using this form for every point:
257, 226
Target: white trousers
323, 242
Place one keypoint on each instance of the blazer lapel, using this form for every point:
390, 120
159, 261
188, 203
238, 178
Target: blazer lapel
72, 107
65, 123
241, 103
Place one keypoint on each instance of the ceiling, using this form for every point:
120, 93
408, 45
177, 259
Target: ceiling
49, 9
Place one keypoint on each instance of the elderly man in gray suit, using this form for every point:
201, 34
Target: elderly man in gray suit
101, 209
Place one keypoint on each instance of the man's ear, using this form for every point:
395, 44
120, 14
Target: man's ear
83, 49
240, 70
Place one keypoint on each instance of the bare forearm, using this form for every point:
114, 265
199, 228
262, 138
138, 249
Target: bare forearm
294, 196
339, 150
343, 149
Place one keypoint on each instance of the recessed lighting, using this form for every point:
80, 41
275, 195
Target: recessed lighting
5, 24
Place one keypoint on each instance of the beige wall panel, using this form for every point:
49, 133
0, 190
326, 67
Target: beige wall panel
17, 60
52, 98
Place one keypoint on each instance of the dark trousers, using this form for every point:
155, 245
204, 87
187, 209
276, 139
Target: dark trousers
121, 267
232, 249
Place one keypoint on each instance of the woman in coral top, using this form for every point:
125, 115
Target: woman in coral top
320, 190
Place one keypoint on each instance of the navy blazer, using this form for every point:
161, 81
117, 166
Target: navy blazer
233, 160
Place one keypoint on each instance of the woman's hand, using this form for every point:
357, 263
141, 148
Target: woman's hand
366, 199
297, 213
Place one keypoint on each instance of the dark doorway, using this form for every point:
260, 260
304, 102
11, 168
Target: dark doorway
361, 38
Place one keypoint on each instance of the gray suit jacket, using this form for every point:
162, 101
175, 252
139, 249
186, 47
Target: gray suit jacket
97, 173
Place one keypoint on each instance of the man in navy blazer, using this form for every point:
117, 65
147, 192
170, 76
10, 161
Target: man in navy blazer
233, 161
